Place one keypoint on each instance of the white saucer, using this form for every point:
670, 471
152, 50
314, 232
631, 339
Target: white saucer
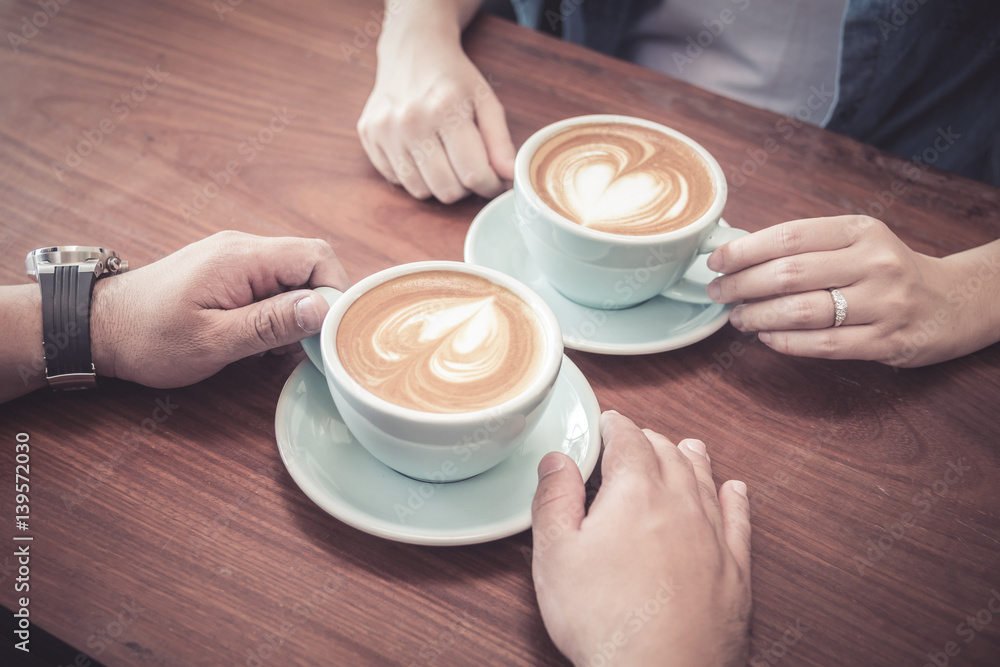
339, 475
657, 325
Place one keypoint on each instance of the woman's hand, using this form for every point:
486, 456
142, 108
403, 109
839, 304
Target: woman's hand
432, 122
903, 308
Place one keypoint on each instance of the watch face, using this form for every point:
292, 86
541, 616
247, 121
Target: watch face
66, 255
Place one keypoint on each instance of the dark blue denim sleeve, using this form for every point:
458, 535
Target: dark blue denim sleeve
921, 78
599, 24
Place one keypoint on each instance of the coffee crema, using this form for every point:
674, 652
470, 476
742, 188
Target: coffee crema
441, 341
622, 179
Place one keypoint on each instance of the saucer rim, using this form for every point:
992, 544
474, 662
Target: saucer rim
665, 344
341, 509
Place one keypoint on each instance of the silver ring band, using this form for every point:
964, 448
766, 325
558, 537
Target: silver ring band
839, 307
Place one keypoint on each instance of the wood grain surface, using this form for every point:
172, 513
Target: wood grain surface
189, 544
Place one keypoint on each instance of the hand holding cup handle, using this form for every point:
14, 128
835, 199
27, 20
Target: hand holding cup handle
615, 210
311, 344
692, 288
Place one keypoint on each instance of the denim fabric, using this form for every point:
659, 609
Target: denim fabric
919, 78
599, 24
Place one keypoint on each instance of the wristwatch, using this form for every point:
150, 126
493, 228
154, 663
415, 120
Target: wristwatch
66, 275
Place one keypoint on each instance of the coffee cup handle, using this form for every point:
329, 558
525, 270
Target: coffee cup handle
691, 288
311, 344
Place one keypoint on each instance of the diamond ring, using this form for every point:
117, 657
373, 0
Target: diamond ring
839, 306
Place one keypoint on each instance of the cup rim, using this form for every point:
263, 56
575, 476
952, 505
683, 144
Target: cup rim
522, 180
542, 382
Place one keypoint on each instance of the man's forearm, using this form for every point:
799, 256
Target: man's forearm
22, 363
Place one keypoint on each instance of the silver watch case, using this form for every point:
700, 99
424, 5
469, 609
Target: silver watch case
88, 258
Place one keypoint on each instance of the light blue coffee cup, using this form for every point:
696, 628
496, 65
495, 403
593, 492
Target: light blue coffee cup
612, 271
427, 446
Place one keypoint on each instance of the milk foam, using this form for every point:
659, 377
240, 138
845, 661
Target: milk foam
441, 341
622, 178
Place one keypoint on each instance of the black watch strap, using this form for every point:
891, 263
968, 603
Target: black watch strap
66, 296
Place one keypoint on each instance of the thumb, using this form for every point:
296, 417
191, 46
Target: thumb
496, 136
559, 500
280, 320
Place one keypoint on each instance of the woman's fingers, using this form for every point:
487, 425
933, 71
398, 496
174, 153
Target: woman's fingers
469, 160
797, 312
789, 275
856, 342
787, 239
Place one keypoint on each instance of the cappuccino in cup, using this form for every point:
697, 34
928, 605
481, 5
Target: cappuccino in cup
614, 210
622, 178
441, 341
439, 369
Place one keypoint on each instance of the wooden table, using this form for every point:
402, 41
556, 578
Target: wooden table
191, 545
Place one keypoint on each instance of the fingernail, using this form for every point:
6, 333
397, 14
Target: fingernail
740, 488
714, 291
716, 262
549, 465
765, 337
307, 315
696, 446
736, 317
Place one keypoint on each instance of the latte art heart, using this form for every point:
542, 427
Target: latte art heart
622, 178
440, 341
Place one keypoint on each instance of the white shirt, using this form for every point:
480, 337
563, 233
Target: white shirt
781, 55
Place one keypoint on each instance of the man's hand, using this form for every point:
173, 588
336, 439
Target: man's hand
659, 567
185, 317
